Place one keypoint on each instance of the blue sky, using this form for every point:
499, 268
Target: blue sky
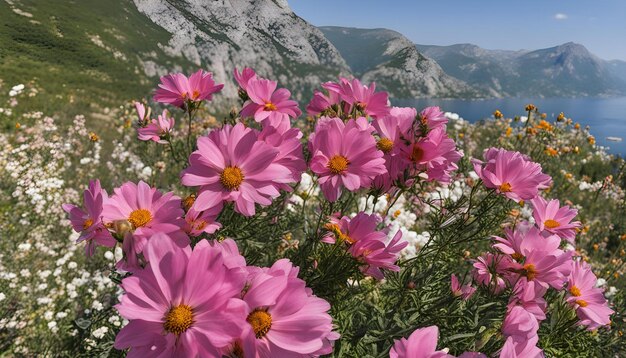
600, 25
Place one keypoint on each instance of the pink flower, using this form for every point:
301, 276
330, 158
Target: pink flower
435, 154
142, 115
433, 117
549, 216
173, 309
289, 148
232, 165
145, 211
591, 306
282, 318
422, 343
244, 77
322, 104
521, 348
178, 90
458, 290
198, 222
520, 327
365, 243
344, 155
511, 174
88, 222
529, 295
362, 98
157, 130
491, 271
525, 239
392, 131
548, 268
269, 105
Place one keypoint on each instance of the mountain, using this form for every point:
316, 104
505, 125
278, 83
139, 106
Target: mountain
88, 54
393, 61
568, 70
618, 69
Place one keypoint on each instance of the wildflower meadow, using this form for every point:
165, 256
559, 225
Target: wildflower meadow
354, 229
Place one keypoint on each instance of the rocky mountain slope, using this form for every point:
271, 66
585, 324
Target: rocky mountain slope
568, 70
393, 61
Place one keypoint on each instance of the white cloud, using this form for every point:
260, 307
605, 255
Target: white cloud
560, 16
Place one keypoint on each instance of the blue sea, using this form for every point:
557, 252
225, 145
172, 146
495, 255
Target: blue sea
605, 116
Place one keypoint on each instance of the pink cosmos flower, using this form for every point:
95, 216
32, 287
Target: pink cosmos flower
198, 222
282, 318
88, 221
548, 268
458, 290
232, 165
344, 155
529, 295
492, 271
552, 218
176, 89
511, 174
523, 239
158, 129
142, 114
433, 117
520, 327
591, 306
145, 211
521, 348
366, 244
322, 103
244, 77
269, 105
422, 343
289, 146
362, 98
435, 154
392, 131
173, 309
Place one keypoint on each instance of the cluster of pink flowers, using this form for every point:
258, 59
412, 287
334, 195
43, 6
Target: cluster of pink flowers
174, 310
529, 260
359, 143
347, 150
365, 243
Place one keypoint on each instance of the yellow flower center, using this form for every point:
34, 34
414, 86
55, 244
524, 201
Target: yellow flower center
178, 319
505, 187
261, 322
360, 106
338, 164
140, 217
581, 303
188, 201
417, 154
269, 106
195, 95
530, 271
517, 256
339, 235
87, 224
575, 291
231, 178
551, 224
385, 144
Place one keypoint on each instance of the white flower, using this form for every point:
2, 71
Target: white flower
100, 332
2, 296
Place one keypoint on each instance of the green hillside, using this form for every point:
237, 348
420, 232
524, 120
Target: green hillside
81, 55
